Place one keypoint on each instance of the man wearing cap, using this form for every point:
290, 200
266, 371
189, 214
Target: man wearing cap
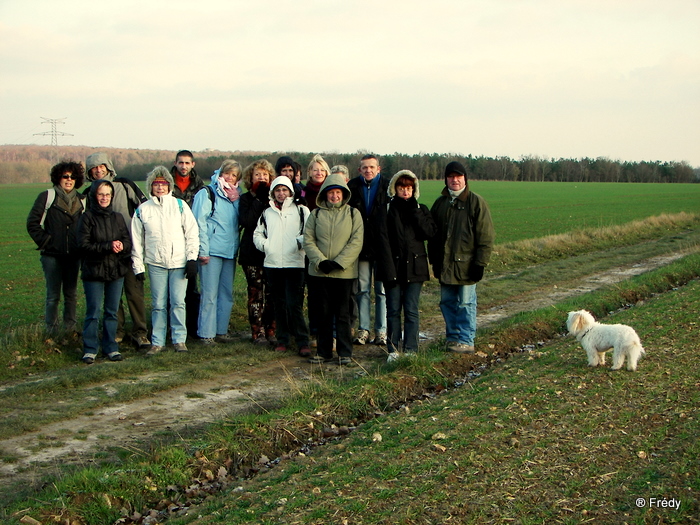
459, 252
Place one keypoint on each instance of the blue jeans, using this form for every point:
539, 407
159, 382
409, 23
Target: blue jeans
458, 306
406, 297
97, 295
366, 271
216, 283
61, 273
168, 284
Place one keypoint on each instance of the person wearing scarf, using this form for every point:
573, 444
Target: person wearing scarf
54, 232
216, 209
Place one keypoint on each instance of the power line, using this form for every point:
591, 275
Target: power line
54, 132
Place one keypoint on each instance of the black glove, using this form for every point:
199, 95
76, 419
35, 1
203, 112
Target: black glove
262, 192
191, 269
475, 273
336, 266
140, 277
326, 266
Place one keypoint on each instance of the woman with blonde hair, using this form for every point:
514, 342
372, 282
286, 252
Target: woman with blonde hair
216, 209
257, 178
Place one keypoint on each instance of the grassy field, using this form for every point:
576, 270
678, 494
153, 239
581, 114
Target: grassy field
533, 437
521, 210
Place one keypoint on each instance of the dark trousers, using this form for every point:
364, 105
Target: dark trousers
287, 290
135, 300
334, 304
261, 311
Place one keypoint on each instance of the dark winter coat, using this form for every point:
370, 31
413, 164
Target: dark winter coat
97, 229
196, 184
58, 236
375, 246
249, 211
409, 224
465, 236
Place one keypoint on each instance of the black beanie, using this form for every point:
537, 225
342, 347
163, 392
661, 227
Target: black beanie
455, 167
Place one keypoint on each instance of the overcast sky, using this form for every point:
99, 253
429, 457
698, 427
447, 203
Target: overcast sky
552, 78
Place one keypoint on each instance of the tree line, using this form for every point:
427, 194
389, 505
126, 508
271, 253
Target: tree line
20, 164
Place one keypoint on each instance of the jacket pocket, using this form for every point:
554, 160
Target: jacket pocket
461, 262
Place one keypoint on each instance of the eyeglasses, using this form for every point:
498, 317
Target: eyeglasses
68, 176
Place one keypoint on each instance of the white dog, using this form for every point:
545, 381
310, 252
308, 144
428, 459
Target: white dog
597, 339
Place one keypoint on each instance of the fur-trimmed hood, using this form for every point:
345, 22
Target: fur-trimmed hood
97, 159
392, 184
159, 172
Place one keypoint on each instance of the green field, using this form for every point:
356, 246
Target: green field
521, 210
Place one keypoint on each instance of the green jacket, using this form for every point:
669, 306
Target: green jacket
334, 233
465, 236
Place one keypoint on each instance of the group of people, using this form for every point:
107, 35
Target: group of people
333, 240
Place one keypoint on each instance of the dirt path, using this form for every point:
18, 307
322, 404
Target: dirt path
131, 424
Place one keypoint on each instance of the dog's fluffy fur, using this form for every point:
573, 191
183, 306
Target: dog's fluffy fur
597, 339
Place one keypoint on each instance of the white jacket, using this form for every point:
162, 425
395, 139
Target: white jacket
280, 232
164, 233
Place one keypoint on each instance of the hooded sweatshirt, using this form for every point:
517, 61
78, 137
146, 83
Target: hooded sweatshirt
127, 196
334, 232
280, 231
164, 231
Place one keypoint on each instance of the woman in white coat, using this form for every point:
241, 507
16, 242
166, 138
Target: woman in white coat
280, 236
165, 239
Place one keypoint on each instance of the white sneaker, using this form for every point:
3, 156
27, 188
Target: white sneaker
380, 339
393, 357
362, 336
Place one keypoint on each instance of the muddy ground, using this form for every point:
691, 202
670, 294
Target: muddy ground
176, 411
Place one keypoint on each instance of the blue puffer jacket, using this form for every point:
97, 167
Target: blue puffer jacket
218, 231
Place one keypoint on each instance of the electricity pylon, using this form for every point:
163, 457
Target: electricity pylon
54, 132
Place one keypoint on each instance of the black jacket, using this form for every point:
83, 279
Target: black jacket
249, 211
58, 236
375, 247
409, 225
97, 229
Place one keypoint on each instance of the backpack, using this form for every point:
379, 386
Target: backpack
50, 197
301, 220
137, 191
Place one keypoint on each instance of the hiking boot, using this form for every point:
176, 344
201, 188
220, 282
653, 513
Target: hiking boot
460, 348
393, 357
272, 339
88, 359
180, 347
155, 349
280, 348
345, 361
304, 351
362, 336
260, 341
141, 341
223, 338
207, 341
115, 356
380, 339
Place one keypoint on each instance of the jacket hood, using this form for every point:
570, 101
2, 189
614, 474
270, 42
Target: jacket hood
95, 160
281, 181
416, 184
93, 205
333, 180
160, 172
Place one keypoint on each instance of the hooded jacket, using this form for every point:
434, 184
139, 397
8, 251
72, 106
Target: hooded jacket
218, 231
409, 225
280, 231
334, 233
97, 229
465, 236
164, 231
127, 195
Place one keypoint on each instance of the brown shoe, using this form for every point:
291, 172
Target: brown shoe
180, 347
460, 348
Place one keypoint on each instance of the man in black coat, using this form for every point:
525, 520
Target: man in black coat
369, 196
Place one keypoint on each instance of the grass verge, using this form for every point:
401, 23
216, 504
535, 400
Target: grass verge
541, 438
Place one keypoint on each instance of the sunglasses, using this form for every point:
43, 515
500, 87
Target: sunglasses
68, 176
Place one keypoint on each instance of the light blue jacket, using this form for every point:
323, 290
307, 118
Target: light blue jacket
218, 232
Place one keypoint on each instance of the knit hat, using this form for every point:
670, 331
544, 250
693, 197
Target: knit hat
455, 167
282, 162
